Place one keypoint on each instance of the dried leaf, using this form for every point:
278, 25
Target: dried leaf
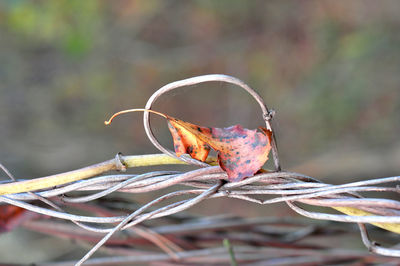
185, 141
241, 152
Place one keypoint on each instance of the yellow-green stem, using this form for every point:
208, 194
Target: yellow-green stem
86, 172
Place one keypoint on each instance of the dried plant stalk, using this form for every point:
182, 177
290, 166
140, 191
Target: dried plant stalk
201, 184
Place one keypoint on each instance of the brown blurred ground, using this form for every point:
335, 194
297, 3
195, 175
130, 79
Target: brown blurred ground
329, 68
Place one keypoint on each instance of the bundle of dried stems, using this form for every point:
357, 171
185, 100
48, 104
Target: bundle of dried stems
207, 182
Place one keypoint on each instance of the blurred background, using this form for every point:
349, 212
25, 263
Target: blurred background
330, 69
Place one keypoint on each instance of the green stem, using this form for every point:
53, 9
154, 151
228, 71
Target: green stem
89, 171
229, 247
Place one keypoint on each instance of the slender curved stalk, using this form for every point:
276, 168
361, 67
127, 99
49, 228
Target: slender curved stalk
266, 113
119, 163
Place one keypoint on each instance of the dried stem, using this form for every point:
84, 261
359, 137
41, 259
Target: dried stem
119, 163
201, 184
267, 115
130, 111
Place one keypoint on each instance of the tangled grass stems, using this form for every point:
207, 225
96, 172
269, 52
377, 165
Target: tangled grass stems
292, 187
208, 181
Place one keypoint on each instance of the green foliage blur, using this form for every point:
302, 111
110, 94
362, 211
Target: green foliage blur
329, 69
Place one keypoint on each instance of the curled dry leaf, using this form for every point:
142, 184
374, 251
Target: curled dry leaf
241, 152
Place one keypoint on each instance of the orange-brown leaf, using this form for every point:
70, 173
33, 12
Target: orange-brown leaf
187, 142
241, 152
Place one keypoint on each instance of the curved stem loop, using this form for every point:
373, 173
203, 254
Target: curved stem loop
267, 115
